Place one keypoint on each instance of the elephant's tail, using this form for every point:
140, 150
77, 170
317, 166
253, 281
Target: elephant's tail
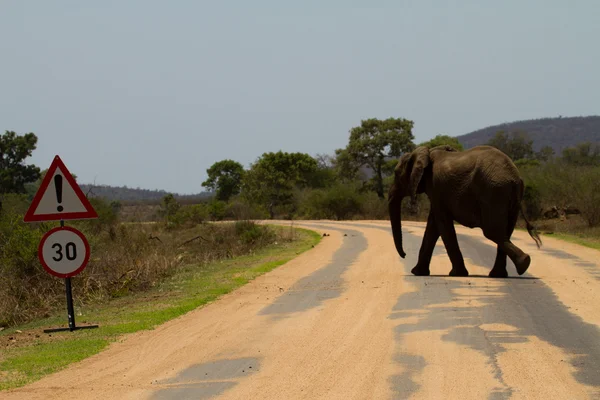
531, 228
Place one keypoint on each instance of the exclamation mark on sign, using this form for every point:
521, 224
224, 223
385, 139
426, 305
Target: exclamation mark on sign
58, 186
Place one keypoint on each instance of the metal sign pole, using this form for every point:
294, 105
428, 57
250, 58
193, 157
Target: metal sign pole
70, 308
69, 293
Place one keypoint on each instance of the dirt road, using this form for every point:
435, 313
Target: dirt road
347, 320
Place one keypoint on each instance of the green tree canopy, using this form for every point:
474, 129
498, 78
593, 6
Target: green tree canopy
346, 169
545, 154
440, 140
272, 179
517, 145
169, 207
14, 174
373, 143
225, 178
584, 154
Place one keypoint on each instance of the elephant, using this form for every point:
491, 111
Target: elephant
478, 188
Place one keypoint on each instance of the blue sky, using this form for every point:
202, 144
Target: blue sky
151, 93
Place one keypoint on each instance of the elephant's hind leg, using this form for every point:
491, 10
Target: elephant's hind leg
518, 257
500, 234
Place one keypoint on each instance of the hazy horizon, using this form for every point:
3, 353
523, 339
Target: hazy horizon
150, 94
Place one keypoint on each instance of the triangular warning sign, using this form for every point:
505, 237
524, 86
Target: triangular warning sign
59, 197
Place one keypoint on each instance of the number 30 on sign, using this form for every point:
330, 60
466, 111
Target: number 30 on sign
64, 252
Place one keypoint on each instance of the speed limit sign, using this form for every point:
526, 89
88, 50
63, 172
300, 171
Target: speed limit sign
64, 252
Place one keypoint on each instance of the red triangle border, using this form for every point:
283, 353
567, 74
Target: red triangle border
90, 213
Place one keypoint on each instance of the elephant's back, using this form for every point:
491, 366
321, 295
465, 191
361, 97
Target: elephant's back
495, 166
483, 171
491, 164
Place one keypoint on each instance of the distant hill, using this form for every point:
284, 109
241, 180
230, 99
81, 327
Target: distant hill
558, 133
131, 195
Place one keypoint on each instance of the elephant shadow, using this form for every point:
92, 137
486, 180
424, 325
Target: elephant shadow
476, 276
494, 314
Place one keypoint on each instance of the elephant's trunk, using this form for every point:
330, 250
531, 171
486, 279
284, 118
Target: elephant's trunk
395, 210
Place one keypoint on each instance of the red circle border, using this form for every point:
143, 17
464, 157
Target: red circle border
85, 260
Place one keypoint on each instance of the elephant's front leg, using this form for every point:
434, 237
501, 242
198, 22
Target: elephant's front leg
448, 233
430, 238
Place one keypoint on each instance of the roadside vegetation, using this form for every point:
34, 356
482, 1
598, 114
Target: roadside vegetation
125, 258
136, 247
198, 278
562, 195
139, 275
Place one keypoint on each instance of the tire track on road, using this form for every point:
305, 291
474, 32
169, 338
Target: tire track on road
215, 378
323, 284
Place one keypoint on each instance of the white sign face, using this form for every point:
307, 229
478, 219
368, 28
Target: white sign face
59, 197
64, 252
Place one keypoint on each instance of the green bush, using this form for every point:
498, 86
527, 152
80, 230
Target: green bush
563, 185
532, 200
190, 215
239, 209
373, 207
108, 217
341, 201
586, 191
217, 210
197, 213
25, 285
250, 232
168, 209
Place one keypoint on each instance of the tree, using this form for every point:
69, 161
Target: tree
225, 177
545, 154
440, 140
375, 141
272, 179
346, 168
584, 154
325, 175
14, 149
517, 145
169, 207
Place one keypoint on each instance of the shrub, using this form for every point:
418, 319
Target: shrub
420, 212
373, 207
168, 208
217, 210
108, 217
532, 200
563, 185
342, 201
250, 232
190, 216
586, 181
238, 209
25, 285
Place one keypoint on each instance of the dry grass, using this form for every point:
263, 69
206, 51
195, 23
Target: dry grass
125, 259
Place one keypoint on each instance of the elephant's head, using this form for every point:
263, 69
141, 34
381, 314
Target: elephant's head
408, 174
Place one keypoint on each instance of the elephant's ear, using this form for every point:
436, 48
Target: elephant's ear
419, 161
